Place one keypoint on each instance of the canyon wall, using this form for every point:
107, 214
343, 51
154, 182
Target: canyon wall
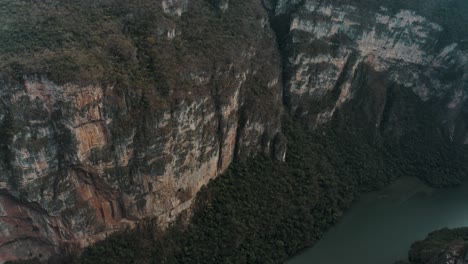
81, 161
148, 113
361, 57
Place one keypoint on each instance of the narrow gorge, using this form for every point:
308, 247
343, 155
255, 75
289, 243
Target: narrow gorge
114, 115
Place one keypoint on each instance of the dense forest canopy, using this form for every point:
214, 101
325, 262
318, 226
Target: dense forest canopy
265, 211
116, 40
259, 210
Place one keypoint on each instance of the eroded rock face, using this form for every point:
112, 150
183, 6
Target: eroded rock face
333, 49
77, 174
80, 162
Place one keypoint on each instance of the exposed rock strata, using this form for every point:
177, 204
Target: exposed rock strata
79, 162
328, 45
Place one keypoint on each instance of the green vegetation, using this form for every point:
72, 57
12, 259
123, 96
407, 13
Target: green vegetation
258, 211
124, 42
435, 243
118, 42
261, 211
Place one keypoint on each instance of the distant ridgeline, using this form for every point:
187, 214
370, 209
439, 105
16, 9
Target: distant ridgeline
444, 246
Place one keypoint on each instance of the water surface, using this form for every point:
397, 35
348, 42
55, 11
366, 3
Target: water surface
381, 226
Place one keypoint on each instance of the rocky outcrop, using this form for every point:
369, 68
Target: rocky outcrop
444, 246
455, 253
78, 172
197, 85
334, 49
80, 162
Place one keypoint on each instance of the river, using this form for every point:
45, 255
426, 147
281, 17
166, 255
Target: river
381, 226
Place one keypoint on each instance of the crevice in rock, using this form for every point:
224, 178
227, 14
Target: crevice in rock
391, 98
90, 122
33, 206
281, 25
345, 73
219, 117
36, 239
241, 122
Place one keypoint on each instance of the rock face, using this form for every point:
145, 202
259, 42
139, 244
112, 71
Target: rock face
455, 253
334, 49
444, 246
81, 161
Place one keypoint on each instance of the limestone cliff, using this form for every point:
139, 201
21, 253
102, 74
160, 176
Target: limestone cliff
127, 115
333, 50
81, 161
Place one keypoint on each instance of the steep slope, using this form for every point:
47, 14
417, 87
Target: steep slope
122, 112
363, 56
391, 72
118, 111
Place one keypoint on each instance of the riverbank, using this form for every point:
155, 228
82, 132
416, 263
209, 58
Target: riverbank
381, 226
262, 210
445, 246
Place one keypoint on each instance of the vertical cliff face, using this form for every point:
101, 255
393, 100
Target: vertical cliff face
359, 58
81, 161
112, 112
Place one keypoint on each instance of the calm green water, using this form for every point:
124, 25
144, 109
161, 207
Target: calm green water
381, 226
